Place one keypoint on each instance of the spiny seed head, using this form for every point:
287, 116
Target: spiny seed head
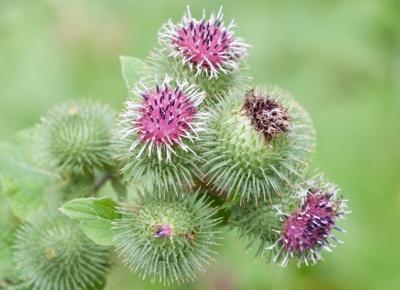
268, 116
306, 231
238, 158
161, 133
169, 237
74, 137
52, 252
207, 45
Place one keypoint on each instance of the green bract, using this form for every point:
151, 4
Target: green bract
159, 63
52, 252
179, 254
258, 223
74, 136
241, 161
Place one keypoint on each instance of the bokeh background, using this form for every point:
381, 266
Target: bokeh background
340, 59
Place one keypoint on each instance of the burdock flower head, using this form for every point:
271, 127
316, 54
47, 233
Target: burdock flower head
259, 139
306, 231
206, 45
267, 115
169, 238
164, 127
52, 252
204, 52
74, 137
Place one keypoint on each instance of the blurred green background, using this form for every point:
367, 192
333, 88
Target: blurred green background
340, 59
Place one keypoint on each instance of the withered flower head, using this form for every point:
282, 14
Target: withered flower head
267, 115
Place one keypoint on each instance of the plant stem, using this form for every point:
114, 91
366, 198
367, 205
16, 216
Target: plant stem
102, 181
210, 189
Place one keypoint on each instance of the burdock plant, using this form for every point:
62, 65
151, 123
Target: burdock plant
198, 150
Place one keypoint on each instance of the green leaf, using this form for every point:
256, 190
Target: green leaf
119, 188
6, 253
233, 198
94, 215
8, 225
131, 68
20, 177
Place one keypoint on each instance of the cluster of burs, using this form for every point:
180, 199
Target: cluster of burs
198, 149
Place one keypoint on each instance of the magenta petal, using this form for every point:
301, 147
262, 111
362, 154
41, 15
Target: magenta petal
164, 231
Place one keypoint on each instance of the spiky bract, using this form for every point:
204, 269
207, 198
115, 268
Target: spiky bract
257, 224
305, 231
52, 252
238, 158
74, 137
160, 135
160, 63
206, 45
187, 222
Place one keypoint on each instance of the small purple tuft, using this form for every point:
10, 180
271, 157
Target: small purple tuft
163, 231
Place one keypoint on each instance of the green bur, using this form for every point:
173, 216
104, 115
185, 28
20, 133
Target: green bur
259, 223
52, 252
181, 254
239, 161
73, 137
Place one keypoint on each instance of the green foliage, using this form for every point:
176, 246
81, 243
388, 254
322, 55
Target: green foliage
8, 224
239, 160
73, 137
94, 215
22, 180
52, 252
69, 188
131, 68
176, 257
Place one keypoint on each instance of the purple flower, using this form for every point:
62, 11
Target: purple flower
307, 230
165, 115
207, 45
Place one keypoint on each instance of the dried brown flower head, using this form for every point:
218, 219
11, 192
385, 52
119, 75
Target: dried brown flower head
267, 115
